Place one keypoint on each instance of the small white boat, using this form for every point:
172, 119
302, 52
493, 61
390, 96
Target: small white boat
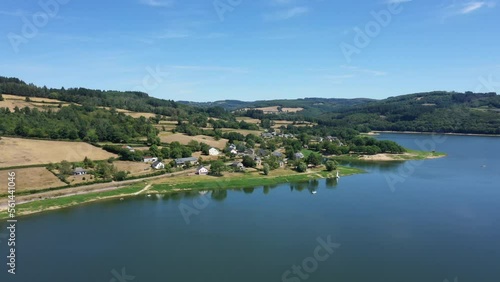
314, 192
338, 175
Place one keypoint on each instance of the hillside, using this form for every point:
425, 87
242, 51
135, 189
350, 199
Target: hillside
422, 112
448, 112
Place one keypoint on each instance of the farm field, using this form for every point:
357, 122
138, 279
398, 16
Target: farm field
184, 139
170, 122
249, 120
24, 152
242, 131
34, 99
274, 110
138, 115
132, 114
12, 101
29, 179
135, 168
279, 123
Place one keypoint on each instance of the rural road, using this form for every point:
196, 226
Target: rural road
93, 188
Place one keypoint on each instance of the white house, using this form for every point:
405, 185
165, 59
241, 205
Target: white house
158, 165
213, 152
202, 170
128, 148
149, 159
79, 171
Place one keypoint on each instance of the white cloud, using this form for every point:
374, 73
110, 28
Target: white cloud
466, 8
157, 3
471, 7
286, 14
397, 1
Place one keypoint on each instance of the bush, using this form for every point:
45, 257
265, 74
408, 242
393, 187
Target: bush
266, 169
301, 167
331, 165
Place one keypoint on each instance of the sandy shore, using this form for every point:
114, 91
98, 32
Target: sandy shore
395, 157
432, 133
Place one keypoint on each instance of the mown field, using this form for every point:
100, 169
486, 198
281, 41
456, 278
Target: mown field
42, 104
275, 110
30, 179
24, 152
184, 139
135, 168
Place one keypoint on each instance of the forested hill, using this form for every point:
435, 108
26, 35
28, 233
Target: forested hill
440, 111
422, 112
311, 105
447, 112
132, 101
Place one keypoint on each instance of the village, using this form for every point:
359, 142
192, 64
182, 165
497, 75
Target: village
236, 157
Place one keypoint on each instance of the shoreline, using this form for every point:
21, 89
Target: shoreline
377, 132
410, 155
185, 183
132, 190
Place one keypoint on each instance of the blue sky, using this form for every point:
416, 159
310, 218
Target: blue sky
208, 50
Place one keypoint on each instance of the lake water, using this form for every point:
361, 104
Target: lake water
432, 220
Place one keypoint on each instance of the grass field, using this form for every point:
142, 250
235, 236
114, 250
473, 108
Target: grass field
57, 203
238, 180
184, 139
24, 152
30, 179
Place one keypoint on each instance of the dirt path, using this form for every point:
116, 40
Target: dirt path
143, 190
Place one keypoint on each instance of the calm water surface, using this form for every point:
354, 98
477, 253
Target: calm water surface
420, 221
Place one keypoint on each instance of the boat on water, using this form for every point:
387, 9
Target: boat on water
338, 175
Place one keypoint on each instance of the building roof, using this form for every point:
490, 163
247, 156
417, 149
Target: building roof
201, 167
277, 154
79, 169
183, 160
156, 163
299, 155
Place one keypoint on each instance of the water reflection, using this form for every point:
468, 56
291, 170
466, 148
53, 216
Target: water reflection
248, 190
331, 183
373, 166
219, 195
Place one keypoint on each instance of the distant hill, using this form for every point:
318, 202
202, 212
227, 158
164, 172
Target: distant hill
424, 112
315, 104
438, 111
